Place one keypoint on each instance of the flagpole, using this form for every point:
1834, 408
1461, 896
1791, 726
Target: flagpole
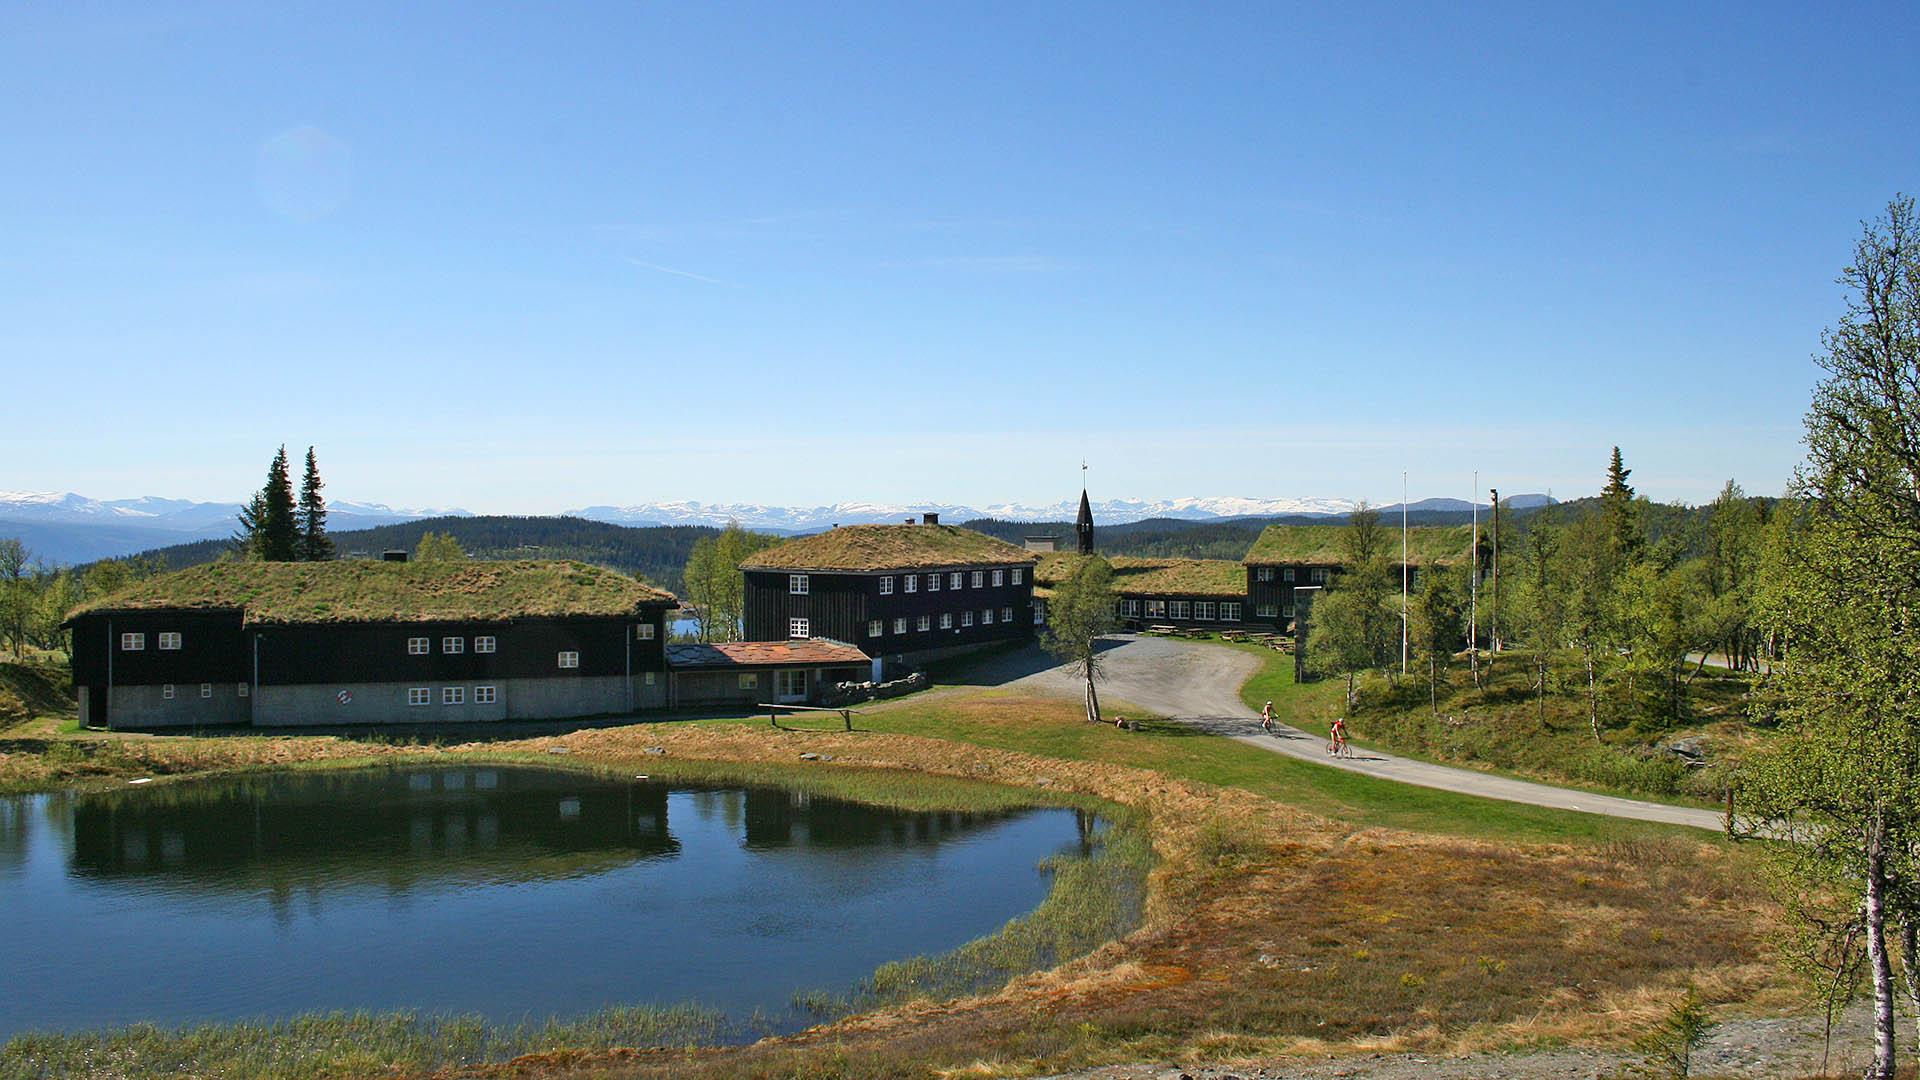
1473, 579
1403, 571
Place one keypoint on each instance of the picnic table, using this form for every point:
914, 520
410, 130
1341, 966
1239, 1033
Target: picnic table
1160, 629
1233, 635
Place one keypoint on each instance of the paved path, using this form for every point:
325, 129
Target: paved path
1200, 685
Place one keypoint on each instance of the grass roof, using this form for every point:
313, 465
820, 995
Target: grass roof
888, 547
1325, 545
367, 590
1151, 577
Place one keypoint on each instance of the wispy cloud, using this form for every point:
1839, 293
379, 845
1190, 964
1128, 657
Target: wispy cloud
690, 275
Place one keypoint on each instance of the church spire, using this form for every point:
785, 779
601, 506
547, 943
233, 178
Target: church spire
1083, 526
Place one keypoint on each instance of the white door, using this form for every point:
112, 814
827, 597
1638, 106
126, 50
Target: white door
790, 686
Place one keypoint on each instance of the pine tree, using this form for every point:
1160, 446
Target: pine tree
310, 517
253, 519
279, 537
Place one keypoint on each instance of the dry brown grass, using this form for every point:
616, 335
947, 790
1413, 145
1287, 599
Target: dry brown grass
1268, 930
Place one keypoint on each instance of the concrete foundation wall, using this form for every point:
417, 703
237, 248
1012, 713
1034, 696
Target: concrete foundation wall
515, 699
149, 707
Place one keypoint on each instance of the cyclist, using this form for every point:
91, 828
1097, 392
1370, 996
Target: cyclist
1266, 718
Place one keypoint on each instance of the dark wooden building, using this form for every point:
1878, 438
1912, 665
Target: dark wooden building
1286, 557
1157, 592
366, 642
905, 594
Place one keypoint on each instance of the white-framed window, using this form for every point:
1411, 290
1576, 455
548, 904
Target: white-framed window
966, 617
133, 642
900, 625
923, 623
486, 695
956, 580
241, 690
999, 578
1006, 614
979, 578
1266, 611
169, 641
1287, 611
986, 617
912, 582
486, 644
749, 681
1130, 608
419, 646
1319, 575
1289, 573
569, 659
1179, 609
1203, 610
453, 695
933, 582
798, 628
946, 620
1229, 611
1019, 575
643, 631
1264, 573
206, 689
797, 584
1156, 609
166, 691
451, 645
1039, 613
886, 586
876, 627
419, 695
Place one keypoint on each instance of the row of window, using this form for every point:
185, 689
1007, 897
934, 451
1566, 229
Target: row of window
452, 695
1202, 610
1268, 611
451, 646
1265, 573
167, 640
800, 584
206, 690
924, 623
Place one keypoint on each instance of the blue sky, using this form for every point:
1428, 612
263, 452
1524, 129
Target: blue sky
533, 257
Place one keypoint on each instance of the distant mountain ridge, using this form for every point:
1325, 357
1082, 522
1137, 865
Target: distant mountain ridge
65, 527
815, 518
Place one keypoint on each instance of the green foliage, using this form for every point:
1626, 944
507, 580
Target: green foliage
714, 585
1841, 587
1082, 610
438, 547
310, 516
1669, 1047
269, 530
1355, 626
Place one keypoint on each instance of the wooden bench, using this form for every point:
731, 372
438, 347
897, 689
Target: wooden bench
1163, 629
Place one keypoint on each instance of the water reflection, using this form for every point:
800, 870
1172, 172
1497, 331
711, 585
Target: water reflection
499, 890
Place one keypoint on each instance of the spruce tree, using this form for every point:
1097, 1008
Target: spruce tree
248, 541
279, 535
1618, 510
310, 517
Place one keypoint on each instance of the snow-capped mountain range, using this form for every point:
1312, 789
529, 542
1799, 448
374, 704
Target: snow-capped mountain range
66, 528
812, 518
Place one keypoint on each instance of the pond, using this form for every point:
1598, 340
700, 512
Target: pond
507, 891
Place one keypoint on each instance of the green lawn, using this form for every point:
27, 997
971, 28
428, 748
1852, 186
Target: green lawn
1003, 721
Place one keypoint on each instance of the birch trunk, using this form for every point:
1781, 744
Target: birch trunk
1880, 966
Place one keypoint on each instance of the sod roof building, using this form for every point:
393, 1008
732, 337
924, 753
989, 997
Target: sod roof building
1187, 592
364, 642
905, 594
1288, 556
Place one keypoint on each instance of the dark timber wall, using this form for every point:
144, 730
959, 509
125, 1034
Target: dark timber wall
842, 605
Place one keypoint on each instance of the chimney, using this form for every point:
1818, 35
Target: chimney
930, 518
396, 555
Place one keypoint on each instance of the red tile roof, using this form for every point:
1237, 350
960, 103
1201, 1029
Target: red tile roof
764, 654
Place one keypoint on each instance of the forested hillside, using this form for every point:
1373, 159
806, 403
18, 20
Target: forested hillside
657, 553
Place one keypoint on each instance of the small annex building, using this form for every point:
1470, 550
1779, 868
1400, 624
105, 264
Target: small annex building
1285, 557
760, 672
1154, 591
903, 594
352, 642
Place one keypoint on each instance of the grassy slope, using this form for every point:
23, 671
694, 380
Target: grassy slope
1497, 728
